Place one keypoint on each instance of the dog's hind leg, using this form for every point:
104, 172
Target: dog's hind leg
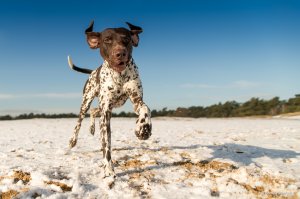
90, 92
86, 102
93, 114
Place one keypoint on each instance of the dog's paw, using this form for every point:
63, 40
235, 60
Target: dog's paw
92, 129
72, 142
108, 172
107, 169
143, 128
109, 181
145, 132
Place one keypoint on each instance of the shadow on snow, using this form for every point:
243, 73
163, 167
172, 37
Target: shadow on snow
242, 154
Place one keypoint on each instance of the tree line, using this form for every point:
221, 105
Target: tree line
252, 107
37, 115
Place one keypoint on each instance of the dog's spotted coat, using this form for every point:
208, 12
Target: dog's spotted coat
113, 89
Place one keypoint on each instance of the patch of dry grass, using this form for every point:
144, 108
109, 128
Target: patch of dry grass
20, 175
63, 186
9, 194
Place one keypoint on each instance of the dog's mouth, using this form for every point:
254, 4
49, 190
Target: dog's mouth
119, 66
121, 63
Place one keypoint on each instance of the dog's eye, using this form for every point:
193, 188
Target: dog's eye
107, 40
125, 40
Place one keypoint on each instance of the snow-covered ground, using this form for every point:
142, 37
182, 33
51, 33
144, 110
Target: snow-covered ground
184, 158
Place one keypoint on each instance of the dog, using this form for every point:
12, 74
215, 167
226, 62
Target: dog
116, 80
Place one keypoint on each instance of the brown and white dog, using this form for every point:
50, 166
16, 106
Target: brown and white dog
113, 83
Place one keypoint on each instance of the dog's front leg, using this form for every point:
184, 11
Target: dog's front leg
106, 138
143, 123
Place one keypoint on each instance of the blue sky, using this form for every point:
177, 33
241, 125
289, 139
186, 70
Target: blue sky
190, 53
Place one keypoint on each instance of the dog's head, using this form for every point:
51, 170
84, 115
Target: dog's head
115, 44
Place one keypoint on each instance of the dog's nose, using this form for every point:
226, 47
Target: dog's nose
120, 53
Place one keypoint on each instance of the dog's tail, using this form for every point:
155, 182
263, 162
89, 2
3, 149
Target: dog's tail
78, 69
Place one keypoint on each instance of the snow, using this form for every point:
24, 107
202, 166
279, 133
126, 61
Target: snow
184, 158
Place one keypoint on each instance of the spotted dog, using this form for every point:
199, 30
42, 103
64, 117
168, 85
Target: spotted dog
113, 83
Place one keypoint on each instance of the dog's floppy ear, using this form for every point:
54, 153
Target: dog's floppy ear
93, 38
135, 31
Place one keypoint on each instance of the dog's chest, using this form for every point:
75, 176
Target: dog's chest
113, 84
